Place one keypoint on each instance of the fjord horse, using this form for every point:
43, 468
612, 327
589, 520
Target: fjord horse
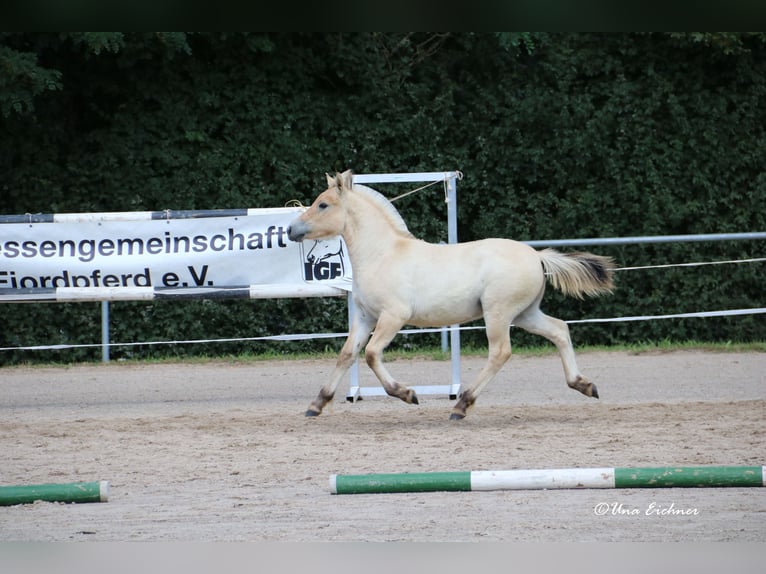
400, 280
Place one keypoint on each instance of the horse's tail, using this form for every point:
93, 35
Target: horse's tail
578, 273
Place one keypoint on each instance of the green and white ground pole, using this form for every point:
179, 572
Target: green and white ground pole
541, 479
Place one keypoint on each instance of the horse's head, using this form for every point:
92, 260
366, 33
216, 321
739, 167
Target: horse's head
326, 217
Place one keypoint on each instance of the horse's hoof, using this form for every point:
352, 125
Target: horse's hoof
310, 413
593, 391
456, 417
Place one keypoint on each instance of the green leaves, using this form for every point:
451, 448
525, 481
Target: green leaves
22, 79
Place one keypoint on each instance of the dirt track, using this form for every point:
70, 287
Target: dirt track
222, 451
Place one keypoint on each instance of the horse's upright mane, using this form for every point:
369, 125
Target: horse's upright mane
388, 207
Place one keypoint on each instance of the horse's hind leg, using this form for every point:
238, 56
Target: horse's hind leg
360, 332
499, 340
385, 330
557, 332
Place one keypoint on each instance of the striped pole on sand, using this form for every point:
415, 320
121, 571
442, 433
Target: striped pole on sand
73, 492
661, 477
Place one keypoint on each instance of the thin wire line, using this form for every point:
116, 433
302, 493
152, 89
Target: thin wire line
305, 336
755, 260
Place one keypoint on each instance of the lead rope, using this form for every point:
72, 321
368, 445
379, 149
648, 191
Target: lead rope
421, 188
406, 193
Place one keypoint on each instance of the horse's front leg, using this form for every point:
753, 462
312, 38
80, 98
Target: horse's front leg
360, 332
385, 330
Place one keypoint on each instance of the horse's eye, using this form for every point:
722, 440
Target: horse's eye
322, 206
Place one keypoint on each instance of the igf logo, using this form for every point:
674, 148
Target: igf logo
325, 260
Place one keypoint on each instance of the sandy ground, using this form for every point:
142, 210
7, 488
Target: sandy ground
222, 452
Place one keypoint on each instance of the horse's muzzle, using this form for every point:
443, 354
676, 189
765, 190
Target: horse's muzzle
297, 230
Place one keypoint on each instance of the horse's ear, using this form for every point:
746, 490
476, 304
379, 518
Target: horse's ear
346, 179
330, 180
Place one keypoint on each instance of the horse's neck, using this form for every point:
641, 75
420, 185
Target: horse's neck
369, 231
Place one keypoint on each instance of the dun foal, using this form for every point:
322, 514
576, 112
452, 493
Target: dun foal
400, 280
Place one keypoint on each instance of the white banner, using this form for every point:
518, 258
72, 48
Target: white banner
114, 252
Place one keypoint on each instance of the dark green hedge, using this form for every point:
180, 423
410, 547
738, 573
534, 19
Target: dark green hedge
558, 135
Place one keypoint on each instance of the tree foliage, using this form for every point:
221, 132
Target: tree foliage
558, 135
